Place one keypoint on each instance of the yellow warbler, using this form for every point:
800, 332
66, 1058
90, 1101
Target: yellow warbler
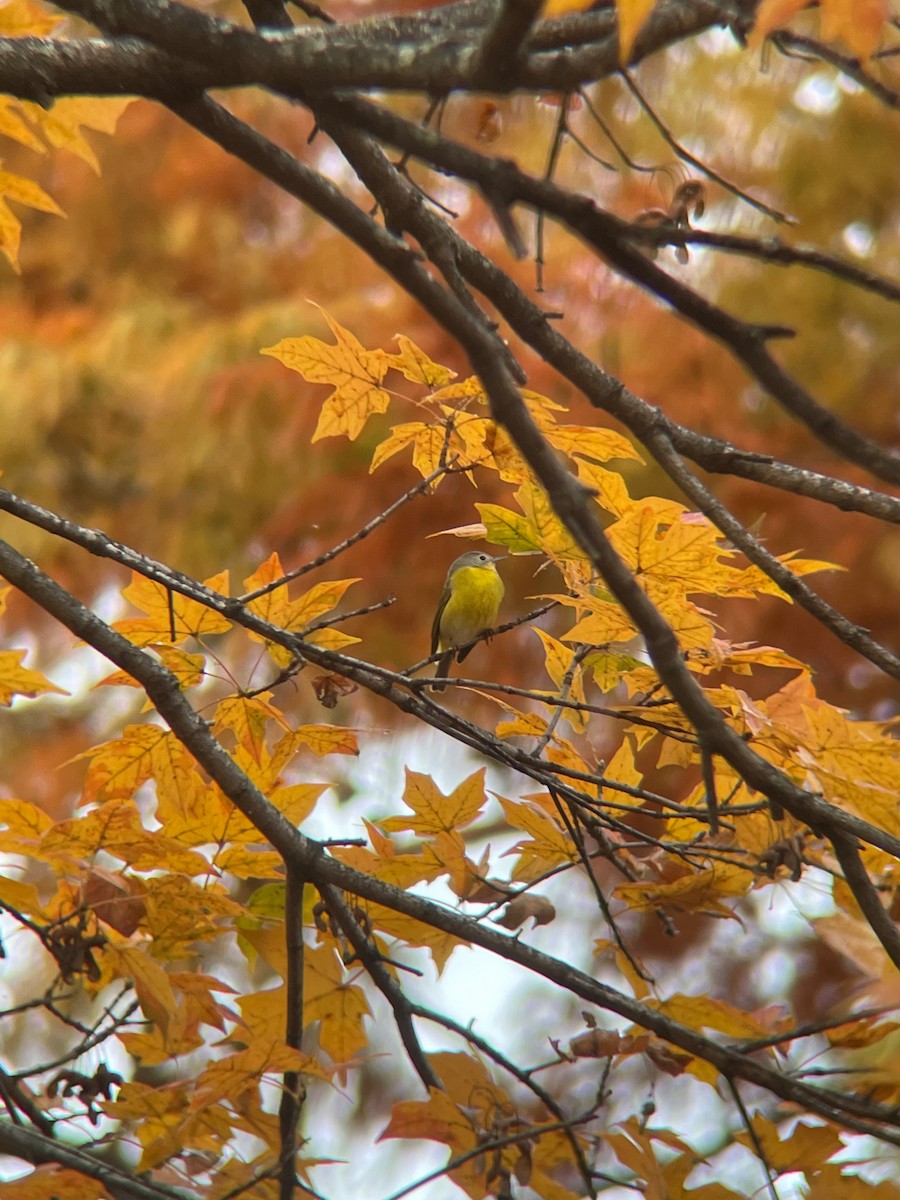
468, 606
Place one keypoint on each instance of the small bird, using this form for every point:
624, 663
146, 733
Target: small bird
468, 606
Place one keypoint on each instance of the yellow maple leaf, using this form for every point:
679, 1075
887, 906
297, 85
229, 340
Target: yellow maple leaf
522, 725
704, 1012
464, 875
632, 16
263, 1012
469, 1102
558, 663
22, 191
118, 767
805, 1143
385, 861
548, 845
475, 437
609, 488
694, 630
296, 615
552, 535
621, 767
188, 669
23, 897
332, 639
182, 912
697, 892
338, 1005
855, 762
439, 1120
232, 1076
355, 373
250, 862
171, 617
164, 1129
326, 739
590, 442
415, 364
466, 393
248, 718
435, 812
669, 559
25, 18
181, 793
12, 125
505, 458
772, 15
603, 622
273, 606
25, 825
320, 599
116, 829
430, 444
16, 680
151, 983
296, 801
406, 929
558, 8
61, 124
563, 753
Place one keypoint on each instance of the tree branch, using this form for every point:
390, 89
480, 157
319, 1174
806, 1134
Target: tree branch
37, 1148
309, 858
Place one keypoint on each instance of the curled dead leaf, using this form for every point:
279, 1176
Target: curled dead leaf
666, 1058
490, 123
330, 688
116, 900
600, 1043
519, 910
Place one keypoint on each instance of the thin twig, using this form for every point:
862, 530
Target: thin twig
754, 1138
369, 956
847, 65
697, 163
320, 560
293, 1092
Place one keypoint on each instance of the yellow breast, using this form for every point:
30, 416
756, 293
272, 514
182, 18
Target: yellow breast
475, 596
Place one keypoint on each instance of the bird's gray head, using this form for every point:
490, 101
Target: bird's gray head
474, 558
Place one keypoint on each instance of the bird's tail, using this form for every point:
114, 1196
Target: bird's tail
443, 668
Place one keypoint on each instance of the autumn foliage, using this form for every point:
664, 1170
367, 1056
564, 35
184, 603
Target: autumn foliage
607, 288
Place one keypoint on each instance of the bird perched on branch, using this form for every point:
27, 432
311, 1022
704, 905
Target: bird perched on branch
468, 606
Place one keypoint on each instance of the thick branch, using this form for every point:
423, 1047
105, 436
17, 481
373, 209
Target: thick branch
37, 1148
504, 184
436, 52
